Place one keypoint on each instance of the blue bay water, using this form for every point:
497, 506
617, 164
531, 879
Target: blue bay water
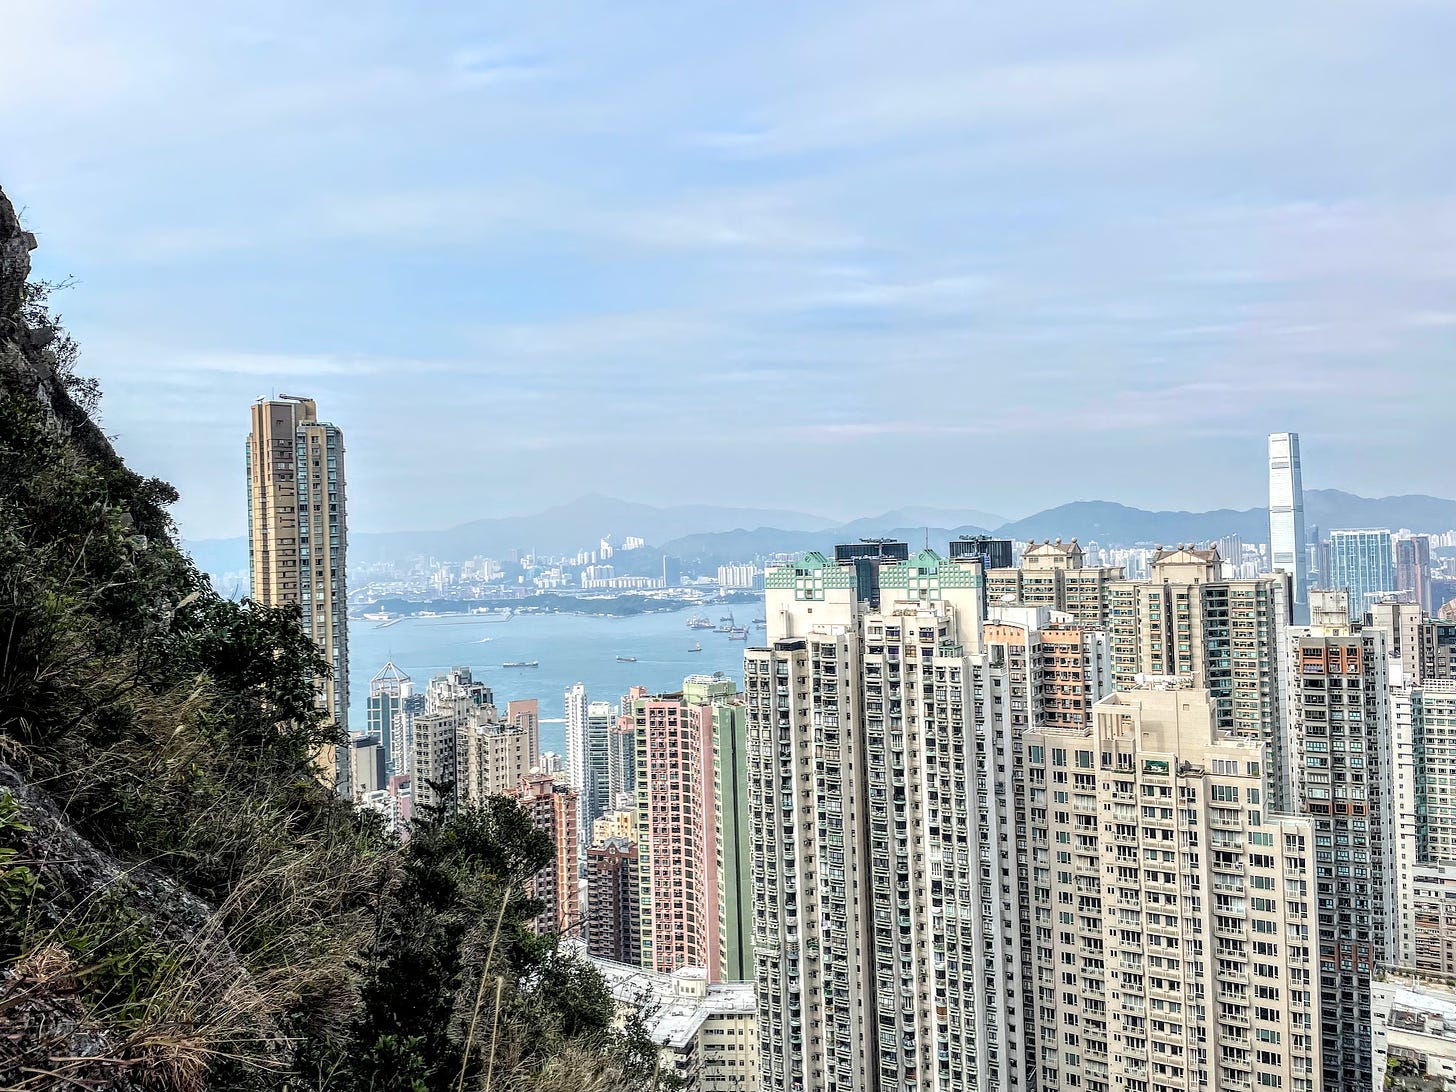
571, 648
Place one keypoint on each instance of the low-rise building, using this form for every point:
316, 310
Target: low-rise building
707, 1033
1414, 1032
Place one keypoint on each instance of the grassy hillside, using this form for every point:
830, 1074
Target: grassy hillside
182, 906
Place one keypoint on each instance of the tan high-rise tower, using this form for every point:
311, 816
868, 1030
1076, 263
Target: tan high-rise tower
298, 537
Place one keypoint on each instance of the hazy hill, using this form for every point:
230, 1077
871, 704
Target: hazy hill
712, 534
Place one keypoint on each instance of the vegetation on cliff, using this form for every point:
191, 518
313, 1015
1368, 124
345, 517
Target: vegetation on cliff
182, 906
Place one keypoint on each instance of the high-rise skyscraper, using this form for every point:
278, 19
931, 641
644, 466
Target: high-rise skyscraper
690, 827
552, 807
875, 969
298, 542
1172, 941
1288, 546
1341, 750
387, 693
1413, 570
1362, 563
1226, 636
612, 914
589, 726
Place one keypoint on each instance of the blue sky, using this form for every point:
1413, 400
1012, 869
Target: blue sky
836, 257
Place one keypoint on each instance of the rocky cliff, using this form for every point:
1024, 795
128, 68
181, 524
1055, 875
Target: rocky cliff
182, 906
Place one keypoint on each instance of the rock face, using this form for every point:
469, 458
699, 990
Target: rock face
47, 1020
27, 359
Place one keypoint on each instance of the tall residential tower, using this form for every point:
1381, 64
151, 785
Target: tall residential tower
298, 540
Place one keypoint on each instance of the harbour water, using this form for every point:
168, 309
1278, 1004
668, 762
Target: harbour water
570, 648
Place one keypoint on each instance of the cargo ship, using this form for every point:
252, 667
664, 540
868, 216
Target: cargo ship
523, 663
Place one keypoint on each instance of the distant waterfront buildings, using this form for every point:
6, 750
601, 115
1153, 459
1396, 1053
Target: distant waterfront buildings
1288, 544
298, 542
738, 576
1362, 562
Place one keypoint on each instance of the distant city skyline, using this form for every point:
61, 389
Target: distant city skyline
863, 237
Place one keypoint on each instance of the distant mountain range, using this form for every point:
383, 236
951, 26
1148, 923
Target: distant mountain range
713, 534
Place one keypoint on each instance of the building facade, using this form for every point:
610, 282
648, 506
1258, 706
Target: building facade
298, 542
1414, 1031
1056, 575
1225, 636
1413, 570
1288, 544
1174, 939
1340, 739
612, 917
1362, 563
552, 807
690, 827
389, 689
885, 956
706, 1032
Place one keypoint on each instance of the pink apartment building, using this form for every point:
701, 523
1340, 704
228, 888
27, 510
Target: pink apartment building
676, 828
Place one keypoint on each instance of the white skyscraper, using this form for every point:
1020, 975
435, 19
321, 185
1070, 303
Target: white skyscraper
1287, 542
576, 746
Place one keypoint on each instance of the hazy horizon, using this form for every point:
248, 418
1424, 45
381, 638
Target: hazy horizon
837, 259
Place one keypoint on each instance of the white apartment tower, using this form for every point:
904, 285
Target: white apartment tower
888, 936
1288, 546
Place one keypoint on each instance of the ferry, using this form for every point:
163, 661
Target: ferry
626, 659
738, 633
699, 621
523, 663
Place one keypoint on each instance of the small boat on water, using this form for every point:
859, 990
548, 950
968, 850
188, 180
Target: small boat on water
626, 659
523, 663
699, 621
697, 647
760, 621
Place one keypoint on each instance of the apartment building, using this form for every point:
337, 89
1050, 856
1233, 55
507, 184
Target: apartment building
886, 886
1056, 575
463, 750
706, 1032
613, 916
1174, 942
1339, 738
298, 541
692, 824
1423, 730
1223, 635
1414, 1031
552, 808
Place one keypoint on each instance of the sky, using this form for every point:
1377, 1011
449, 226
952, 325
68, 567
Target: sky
835, 257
